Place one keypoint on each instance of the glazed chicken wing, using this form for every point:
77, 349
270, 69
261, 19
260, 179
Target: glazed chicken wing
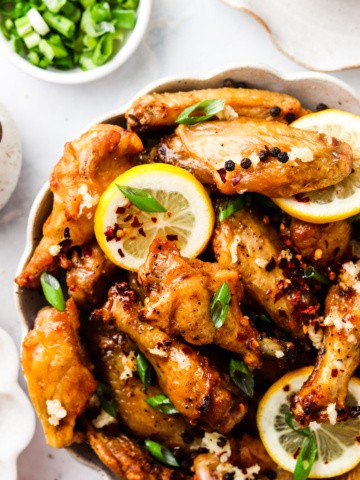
90, 275
194, 385
314, 160
58, 373
180, 292
326, 389
157, 110
85, 170
115, 354
244, 242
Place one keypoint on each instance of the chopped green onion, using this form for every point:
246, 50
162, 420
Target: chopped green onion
141, 199
86, 62
37, 22
55, 5
87, 3
208, 107
100, 12
220, 305
52, 291
306, 458
107, 399
60, 23
161, 453
124, 18
34, 57
93, 29
162, 404
23, 26
312, 273
143, 369
32, 39
242, 377
289, 419
103, 50
71, 12
232, 205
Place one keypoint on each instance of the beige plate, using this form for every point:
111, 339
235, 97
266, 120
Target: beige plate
322, 35
311, 89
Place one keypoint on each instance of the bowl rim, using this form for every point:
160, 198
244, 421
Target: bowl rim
77, 76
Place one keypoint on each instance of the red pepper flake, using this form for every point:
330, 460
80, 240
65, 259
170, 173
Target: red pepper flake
268, 292
159, 345
172, 238
154, 219
357, 439
286, 388
121, 253
296, 454
222, 173
282, 313
109, 233
128, 217
241, 337
187, 350
141, 231
136, 223
334, 372
311, 310
120, 210
278, 296
235, 180
301, 199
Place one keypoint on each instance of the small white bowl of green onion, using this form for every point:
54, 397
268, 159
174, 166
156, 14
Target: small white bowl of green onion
68, 41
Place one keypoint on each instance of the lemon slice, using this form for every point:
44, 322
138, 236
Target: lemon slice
125, 233
339, 201
338, 445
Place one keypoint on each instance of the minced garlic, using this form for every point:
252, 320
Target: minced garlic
55, 411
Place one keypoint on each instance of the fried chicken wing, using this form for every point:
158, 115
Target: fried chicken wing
180, 292
244, 242
126, 458
314, 160
90, 275
194, 385
58, 373
327, 387
115, 354
323, 244
86, 168
157, 110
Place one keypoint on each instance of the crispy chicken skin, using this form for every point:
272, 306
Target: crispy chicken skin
203, 395
157, 110
339, 355
56, 368
85, 170
111, 349
244, 242
90, 275
126, 458
180, 291
204, 148
332, 239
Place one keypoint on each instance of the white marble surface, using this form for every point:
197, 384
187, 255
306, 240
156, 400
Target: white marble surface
184, 36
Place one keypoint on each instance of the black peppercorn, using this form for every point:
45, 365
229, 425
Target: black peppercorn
221, 442
263, 155
274, 152
321, 106
228, 476
290, 117
275, 111
230, 83
245, 163
283, 157
229, 165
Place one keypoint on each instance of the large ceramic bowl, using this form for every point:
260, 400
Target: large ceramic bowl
311, 89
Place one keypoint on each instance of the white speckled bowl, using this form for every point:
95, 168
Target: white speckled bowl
310, 88
76, 75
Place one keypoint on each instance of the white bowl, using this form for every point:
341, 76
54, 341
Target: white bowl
76, 75
310, 88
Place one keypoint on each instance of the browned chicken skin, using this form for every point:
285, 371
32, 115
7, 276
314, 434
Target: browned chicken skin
244, 242
57, 370
180, 292
90, 275
339, 356
114, 352
85, 170
157, 110
317, 160
323, 244
126, 459
194, 385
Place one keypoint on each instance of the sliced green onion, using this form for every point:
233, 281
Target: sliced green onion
124, 18
37, 22
144, 370
34, 57
312, 273
242, 377
208, 107
231, 206
220, 305
307, 456
52, 291
162, 404
100, 12
130, 4
87, 3
289, 419
23, 26
141, 199
103, 50
161, 453
89, 42
55, 5
93, 29
107, 399
86, 62
32, 39
60, 23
